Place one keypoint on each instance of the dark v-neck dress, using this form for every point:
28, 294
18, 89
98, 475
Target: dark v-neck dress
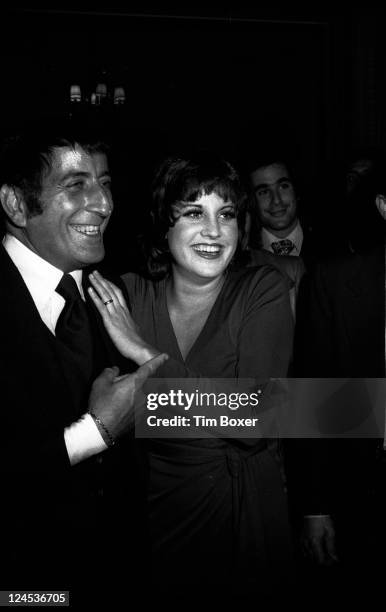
217, 509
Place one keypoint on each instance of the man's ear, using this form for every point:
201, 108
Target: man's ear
14, 206
380, 203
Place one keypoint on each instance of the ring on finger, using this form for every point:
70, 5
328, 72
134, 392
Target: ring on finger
108, 302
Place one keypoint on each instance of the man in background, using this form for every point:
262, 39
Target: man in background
341, 334
275, 225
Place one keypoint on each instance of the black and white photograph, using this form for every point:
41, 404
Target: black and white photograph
192, 278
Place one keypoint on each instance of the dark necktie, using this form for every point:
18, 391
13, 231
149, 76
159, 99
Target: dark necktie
73, 327
282, 247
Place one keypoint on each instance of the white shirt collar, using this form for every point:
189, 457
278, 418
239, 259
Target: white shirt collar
41, 279
296, 236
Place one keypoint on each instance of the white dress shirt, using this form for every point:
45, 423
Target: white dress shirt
82, 438
296, 236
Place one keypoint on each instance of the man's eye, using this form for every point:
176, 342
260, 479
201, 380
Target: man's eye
75, 185
285, 185
106, 184
262, 193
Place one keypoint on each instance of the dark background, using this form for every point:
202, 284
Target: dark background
238, 80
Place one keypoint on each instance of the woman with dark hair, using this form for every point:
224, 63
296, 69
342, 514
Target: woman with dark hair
182, 180
217, 506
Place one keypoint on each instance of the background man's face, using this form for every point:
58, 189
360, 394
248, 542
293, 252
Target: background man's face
357, 171
380, 203
76, 201
275, 198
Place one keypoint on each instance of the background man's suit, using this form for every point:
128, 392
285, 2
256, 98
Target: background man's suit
345, 314
342, 334
58, 520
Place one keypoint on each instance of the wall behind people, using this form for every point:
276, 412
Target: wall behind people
207, 77
202, 80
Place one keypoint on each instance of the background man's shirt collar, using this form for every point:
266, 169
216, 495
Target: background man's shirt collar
296, 236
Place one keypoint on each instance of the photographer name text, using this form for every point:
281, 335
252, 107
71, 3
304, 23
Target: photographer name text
200, 421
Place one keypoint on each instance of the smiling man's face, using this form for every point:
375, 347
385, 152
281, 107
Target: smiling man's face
76, 206
275, 198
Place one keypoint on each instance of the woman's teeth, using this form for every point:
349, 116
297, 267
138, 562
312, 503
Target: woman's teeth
90, 230
206, 248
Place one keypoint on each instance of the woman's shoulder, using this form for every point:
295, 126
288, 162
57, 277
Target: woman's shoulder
138, 287
260, 279
291, 266
133, 281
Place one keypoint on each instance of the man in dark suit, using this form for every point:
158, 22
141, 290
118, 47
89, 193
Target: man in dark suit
341, 334
70, 470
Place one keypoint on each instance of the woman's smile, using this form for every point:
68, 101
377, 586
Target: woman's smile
208, 251
204, 237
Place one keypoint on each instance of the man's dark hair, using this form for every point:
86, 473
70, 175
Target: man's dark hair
26, 157
262, 160
185, 179
365, 225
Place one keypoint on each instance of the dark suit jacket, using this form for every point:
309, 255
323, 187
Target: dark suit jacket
53, 516
310, 251
341, 333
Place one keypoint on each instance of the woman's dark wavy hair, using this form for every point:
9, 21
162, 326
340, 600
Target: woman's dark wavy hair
186, 179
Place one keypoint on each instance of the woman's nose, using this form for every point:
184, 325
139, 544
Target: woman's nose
211, 228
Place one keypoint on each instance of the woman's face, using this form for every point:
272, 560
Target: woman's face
204, 237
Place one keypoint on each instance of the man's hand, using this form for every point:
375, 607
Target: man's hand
318, 539
112, 397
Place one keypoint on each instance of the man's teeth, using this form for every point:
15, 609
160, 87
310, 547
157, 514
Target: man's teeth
207, 248
90, 230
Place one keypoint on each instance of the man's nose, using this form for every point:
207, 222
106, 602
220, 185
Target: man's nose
99, 200
276, 197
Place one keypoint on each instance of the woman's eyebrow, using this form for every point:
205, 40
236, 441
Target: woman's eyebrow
187, 204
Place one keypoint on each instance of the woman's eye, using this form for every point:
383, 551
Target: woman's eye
228, 214
192, 214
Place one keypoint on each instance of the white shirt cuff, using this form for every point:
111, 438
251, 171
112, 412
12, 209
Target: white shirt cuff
83, 439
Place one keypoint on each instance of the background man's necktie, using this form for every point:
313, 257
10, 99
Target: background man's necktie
73, 327
282, 247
